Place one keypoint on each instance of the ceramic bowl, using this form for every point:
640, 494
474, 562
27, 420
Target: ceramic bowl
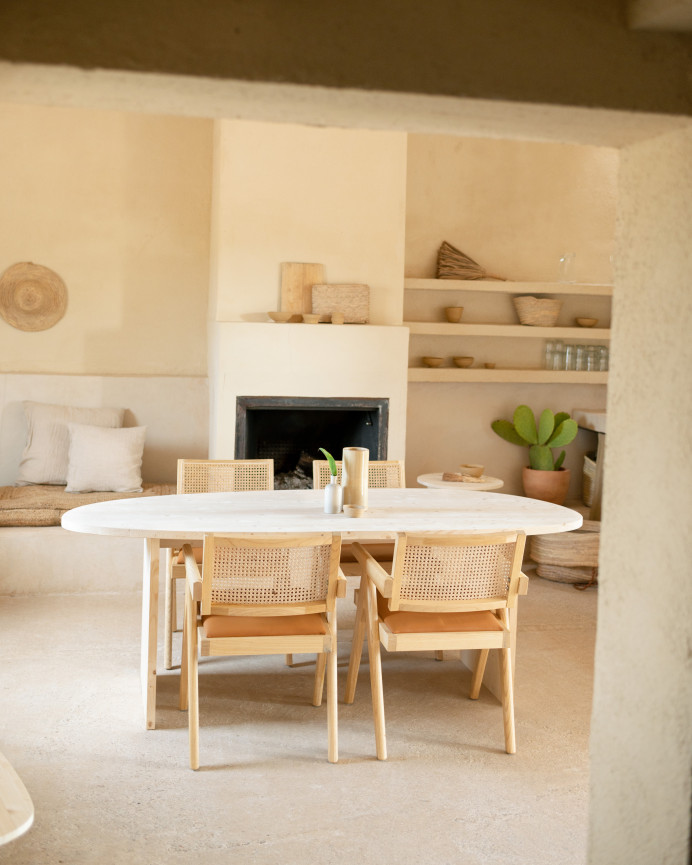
471, 469
311, 317
433, 361
354, 510
489, 365
453, 313
463, 361
587, 322
280, 316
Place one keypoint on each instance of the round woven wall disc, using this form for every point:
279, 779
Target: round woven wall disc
32, 297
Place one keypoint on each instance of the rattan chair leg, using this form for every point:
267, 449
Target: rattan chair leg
192, 681
319, 679
182, 699
478, 673
507, 700
356, 648
375, 671
332, 707
169, 612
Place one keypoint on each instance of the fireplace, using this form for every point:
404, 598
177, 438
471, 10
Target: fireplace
290, 430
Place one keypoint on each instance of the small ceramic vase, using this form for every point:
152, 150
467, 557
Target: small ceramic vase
333, 496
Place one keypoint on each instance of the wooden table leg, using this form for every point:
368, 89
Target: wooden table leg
150, 610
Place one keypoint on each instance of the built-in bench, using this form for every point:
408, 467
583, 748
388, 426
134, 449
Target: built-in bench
36, 554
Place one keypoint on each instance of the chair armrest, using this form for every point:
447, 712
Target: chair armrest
523, 585
374, 570
192, 574
341, 585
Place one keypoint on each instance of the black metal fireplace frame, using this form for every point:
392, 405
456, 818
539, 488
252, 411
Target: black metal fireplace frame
379, 406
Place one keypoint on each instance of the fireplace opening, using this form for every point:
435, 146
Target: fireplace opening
291, 430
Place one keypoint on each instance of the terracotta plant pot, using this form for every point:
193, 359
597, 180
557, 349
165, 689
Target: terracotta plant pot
546, 486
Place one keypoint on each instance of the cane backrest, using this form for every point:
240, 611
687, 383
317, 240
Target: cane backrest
456, 572
270, 575
382, 474
223, 476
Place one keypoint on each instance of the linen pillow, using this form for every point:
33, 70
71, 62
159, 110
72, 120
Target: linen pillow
105, 460
45, 456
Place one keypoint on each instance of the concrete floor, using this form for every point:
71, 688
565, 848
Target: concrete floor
106, 791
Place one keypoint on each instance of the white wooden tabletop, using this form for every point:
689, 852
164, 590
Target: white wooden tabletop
389, 510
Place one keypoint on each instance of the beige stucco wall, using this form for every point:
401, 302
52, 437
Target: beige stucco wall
295, 193
119, 205
515, 207
641, 743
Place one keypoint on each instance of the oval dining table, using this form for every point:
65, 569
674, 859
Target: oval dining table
170, 521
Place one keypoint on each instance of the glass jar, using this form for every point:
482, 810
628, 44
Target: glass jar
549, 351
570, 357
558, 354
580, 358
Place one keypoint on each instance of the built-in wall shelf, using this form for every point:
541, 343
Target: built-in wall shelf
525, 376
507, 287
438, 328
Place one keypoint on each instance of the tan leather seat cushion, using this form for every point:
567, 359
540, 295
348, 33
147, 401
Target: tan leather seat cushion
404, 622
263, 626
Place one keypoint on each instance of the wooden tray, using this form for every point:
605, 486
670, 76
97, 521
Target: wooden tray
297, 280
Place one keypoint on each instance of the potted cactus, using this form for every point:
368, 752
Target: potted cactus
544, 478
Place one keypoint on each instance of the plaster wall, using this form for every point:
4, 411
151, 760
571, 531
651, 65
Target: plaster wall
641, 743
515, 207
118, 204
294, 193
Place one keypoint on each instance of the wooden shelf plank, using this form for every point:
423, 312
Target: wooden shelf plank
490, 285
441, 328
526, 376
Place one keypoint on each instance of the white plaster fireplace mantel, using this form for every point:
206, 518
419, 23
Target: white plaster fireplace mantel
321, 360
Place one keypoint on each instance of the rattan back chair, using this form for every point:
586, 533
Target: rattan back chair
442, 592
382, 474
207, 476
224, 476
262, 595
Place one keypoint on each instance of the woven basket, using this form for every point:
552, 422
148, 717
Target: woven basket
588, 476
565, 575
577, 549
537, 311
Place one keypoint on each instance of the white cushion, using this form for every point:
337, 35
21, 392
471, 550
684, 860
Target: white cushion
46, 453
103, 459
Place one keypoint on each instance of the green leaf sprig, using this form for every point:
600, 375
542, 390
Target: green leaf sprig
332, 462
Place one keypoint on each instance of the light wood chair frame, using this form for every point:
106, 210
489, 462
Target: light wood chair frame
220, 476
376, 470
375, 578
198, 603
